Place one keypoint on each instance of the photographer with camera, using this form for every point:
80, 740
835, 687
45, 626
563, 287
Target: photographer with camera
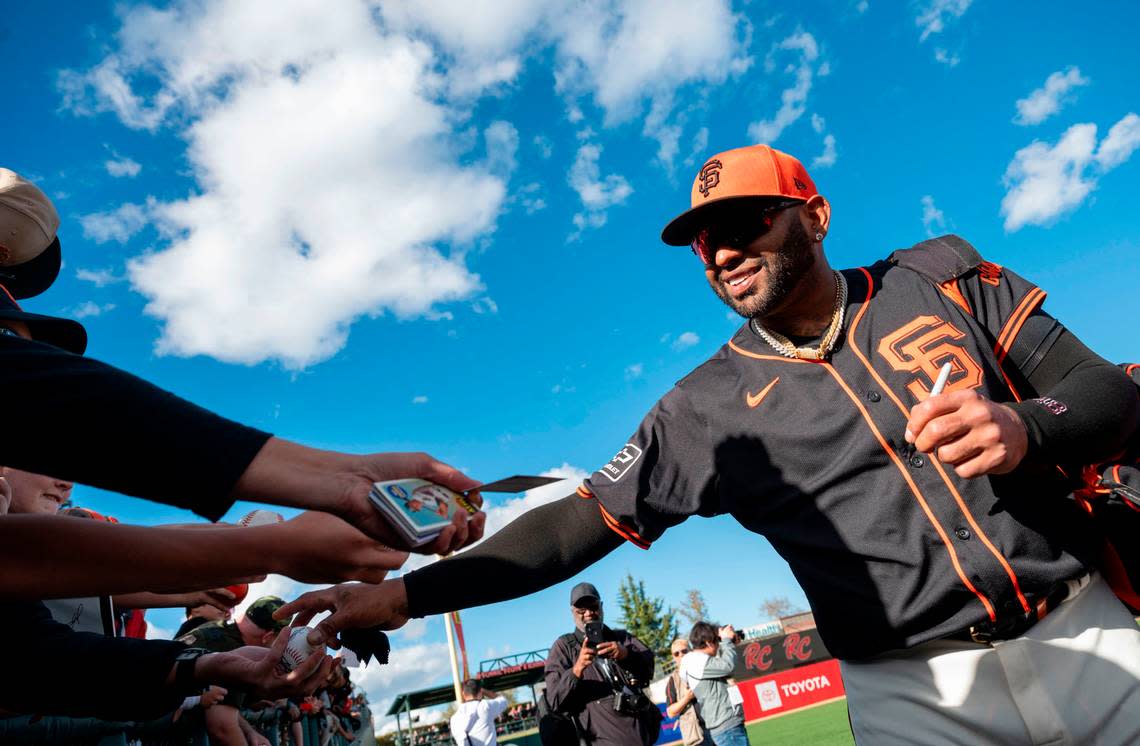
706, 669
594, 682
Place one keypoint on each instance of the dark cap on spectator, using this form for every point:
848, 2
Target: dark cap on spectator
29, 246
583, 590
260, 612
63, 333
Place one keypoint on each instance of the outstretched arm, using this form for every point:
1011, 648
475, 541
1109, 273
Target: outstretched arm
540, 548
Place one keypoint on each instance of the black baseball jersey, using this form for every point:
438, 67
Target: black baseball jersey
891, 547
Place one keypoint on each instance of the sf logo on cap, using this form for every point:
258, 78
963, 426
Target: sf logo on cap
709, 176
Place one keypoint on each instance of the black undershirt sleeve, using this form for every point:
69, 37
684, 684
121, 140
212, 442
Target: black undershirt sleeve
51, 670
1085, 408
78, 419
542, 547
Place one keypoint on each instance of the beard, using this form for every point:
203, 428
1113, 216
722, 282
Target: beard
783, 273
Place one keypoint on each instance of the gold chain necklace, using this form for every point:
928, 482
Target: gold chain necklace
784, 346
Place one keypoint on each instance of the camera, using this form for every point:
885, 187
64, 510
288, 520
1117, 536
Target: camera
629, 702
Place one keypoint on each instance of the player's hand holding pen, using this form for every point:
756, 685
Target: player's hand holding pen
964, 429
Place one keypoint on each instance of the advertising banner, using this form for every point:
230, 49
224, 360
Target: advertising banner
762, 657
792, 689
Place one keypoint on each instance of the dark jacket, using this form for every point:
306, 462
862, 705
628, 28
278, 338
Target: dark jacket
51, 670
590, 699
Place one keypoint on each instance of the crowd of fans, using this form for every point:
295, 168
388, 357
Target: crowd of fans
74, 585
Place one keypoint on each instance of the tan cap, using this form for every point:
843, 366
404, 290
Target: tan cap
29, 247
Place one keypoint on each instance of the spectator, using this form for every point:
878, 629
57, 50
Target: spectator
126, 435
681, 702
121, 679
256, 627
706, 669
581, 679
473, 723
198, 615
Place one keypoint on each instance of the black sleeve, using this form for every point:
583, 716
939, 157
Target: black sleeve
51, 670
664, 474
542, 547
561, 683
85, 421
1086, 407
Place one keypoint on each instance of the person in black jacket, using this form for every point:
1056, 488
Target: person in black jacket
580, 677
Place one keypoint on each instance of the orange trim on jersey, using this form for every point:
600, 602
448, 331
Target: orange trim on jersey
732, 345
1128, 369
938, 466
583, 491
917, 492
622, 531
1017, 319
951, 290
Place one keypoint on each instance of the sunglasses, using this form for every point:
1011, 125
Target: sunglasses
679, 653
737, 230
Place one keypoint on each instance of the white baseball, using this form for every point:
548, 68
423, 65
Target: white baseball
297, 651
260, 518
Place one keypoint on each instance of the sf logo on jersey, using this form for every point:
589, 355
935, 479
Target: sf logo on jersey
922, 346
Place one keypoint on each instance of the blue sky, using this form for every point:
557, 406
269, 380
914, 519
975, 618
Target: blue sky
433, 226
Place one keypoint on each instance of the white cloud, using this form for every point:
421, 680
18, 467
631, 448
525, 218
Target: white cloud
685, 340
415, 629
530, 197
97, 277
634, 371
626, 52
861, 6
410, 667
544, 146
934, 15
828, 156
818, 123
502, 141
1046, 181
251, 80
946, 58
89, 309
1047, 100
932, 218
699, 146
793, 100
154, 632
120, 224
122, 166
1122, 140
597, 193
421, 399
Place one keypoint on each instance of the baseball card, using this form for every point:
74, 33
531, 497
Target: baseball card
417, 508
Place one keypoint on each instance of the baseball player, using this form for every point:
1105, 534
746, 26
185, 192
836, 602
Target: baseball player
931, 534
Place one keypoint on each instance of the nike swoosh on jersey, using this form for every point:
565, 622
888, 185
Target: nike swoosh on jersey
753, 400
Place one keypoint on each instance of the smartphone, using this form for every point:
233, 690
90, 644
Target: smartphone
593, 634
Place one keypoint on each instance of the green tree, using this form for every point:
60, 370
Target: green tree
646, 618
694, 609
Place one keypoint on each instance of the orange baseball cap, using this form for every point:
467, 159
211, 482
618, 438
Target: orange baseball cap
751, 173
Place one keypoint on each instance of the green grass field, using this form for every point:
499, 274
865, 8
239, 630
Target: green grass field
825, 725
